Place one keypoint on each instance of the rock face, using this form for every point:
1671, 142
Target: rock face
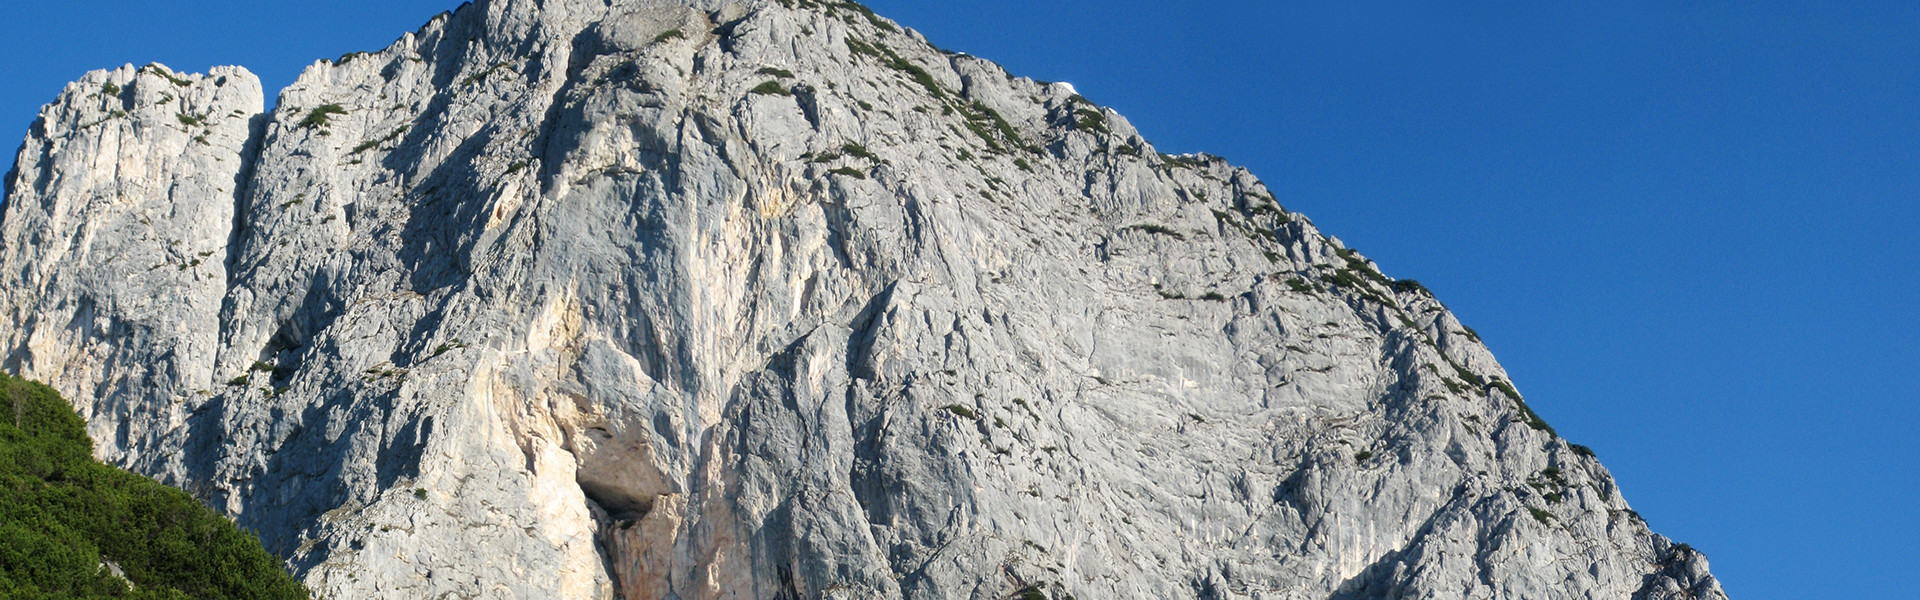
704, 299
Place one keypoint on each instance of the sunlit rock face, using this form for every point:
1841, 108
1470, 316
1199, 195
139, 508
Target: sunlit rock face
705, 299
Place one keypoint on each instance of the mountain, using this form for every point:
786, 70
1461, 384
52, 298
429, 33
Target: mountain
764, 299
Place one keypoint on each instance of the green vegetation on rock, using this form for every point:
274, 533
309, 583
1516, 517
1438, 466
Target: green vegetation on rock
71, 527
770, 88
322, 116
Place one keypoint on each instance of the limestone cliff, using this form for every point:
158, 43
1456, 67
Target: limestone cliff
711, 299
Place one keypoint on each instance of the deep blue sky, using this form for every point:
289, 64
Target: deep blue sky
1686, 228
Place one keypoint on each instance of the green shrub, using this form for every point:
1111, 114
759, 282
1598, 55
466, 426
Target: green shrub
483, 75
770, 88
962, 411
322, 116
852, 149
1533, 419
1269, 208
1581, 450
889, 58
987, 135
1159, 230
1473, 378
781, 73
669, 35
987, 123
850, 172
1363, 456
1541, 515
110, 89
862, 48
62, 515
871, 18
371, 144
155, 69
919, 75
1344, 278
1091, 120
1364, 269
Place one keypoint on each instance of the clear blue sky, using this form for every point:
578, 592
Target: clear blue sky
1687, 228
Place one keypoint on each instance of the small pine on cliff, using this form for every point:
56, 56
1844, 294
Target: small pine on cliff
71, 527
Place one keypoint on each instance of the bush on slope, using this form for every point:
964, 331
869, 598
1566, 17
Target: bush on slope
64, 518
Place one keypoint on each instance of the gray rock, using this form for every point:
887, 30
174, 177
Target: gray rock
699, 299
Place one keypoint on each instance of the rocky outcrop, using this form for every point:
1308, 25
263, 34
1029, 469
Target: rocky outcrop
116, 232
707, 299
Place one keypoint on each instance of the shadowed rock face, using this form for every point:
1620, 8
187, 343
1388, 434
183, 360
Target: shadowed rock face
703, 299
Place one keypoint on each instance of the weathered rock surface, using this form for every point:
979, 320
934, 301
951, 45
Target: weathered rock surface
706, 299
